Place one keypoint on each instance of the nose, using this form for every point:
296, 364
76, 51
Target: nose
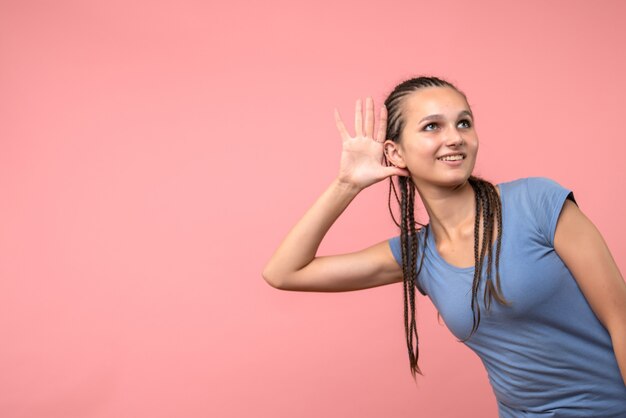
454, 138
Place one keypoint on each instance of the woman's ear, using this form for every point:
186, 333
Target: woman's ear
394, 154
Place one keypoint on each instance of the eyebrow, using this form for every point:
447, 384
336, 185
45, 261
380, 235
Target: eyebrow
438, 116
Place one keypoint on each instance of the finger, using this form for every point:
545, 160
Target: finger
340, 126
397, 171
369, 117
358, 119
382, 125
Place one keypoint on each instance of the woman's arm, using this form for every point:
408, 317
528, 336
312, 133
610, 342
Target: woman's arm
294, 265
581, 246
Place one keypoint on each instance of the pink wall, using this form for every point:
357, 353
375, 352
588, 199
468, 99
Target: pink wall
153, 154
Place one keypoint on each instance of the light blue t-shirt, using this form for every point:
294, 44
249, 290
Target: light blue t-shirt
547, 355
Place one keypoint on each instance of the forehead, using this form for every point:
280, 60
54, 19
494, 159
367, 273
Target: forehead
434, 100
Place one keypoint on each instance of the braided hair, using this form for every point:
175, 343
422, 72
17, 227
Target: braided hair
488, 208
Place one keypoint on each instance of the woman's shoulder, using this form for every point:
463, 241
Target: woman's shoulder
537, 201
530, 187
534, 181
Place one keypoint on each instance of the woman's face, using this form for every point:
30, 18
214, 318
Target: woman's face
438, 144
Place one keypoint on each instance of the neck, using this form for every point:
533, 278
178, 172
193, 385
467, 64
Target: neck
451, 210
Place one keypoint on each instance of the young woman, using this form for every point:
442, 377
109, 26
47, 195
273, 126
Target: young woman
554, 341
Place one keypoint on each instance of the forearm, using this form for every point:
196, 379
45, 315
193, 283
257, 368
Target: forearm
301, 244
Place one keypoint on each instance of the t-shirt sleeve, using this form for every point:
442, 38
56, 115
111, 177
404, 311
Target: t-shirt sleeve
546, 198
396, 250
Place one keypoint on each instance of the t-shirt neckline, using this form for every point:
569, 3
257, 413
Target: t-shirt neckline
435, 252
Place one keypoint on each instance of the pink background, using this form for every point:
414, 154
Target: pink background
153, 154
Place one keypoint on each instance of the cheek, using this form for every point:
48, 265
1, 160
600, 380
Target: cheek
423, 146
472, 144
417, 154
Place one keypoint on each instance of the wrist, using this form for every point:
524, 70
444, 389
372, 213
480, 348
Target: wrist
346, 187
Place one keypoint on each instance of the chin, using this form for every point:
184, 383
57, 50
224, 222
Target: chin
452, 182
455, 178
457, 183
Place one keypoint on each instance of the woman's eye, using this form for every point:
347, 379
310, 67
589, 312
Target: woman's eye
465, 124
430, 127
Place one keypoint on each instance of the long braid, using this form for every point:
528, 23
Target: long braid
492, 291
493, 201
497, 292
478, 254
392, 187
488, 238
411, 283
409, 243
406, 260
488, 209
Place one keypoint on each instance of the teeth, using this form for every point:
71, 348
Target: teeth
451, 158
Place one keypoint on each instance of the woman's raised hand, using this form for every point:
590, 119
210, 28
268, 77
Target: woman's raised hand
362, 155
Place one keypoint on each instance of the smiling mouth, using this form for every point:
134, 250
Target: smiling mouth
456, 157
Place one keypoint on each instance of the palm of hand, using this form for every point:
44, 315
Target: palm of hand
361, 161
362, 155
